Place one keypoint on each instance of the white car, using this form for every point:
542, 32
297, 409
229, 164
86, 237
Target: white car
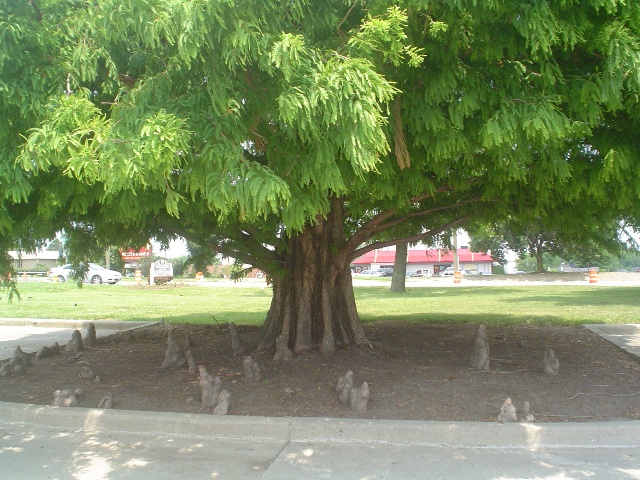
370, 273
96, 274
447, 272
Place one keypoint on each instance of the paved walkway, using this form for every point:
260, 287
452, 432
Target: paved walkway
46, 442
627, 337
33, 333
43, 442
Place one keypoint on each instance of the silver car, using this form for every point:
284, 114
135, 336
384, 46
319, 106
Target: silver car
96, 274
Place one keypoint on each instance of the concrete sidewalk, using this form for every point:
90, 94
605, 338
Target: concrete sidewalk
625, 337
50, 442
33, 333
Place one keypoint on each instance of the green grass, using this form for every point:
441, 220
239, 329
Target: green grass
560, 305
127, 302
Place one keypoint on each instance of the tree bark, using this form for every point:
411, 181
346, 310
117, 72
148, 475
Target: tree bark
400, 268
313, 301
539, 252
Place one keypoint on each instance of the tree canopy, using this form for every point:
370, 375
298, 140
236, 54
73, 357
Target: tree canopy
295, 135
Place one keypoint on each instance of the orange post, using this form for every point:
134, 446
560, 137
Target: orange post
199, 277
593, 276
138, 276
457, 277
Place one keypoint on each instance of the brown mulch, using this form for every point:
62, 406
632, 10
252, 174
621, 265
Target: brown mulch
416, 372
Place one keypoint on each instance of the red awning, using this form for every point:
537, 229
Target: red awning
423, 256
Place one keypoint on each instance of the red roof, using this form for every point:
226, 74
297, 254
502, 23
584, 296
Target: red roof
423, 256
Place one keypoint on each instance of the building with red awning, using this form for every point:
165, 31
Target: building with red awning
427, 261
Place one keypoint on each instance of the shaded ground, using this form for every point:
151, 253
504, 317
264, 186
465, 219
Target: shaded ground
416, 372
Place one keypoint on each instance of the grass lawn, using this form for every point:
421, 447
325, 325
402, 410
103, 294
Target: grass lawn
559, 305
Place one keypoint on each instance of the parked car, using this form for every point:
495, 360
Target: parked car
96, 274
386, 272
370, 273
419, 273
447, 272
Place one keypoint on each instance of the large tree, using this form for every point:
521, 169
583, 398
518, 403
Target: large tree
293, 134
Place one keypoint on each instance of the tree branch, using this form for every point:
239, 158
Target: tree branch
36, 9
398, 221
345, 17
383, 221
229, 250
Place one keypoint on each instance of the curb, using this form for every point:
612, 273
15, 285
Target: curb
148, 423
467, 434
330, 430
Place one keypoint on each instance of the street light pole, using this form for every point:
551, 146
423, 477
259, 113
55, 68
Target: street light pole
456, 262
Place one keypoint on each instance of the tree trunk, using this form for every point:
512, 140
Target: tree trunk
400, 269
539, 262
313, 302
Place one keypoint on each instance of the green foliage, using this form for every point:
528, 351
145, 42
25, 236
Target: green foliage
39, 268
180, 265
498, 269
628, 261
528, 263
237, 272
200, 257
585, 237
8, 278
386, 36
144, 265
239, 125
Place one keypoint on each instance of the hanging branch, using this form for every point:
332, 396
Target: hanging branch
345, 17
36, 9
400, 144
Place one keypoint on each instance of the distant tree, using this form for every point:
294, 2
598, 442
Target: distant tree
529, 264
400, 268
579, 233
201, 257
180, 265
115, 260
630, 260
497, 269
55, 245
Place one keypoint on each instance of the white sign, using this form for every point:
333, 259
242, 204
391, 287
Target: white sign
161, 272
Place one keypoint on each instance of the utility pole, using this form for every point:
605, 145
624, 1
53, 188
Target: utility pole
456, 262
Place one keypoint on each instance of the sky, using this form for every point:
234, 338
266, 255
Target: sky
177, 248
